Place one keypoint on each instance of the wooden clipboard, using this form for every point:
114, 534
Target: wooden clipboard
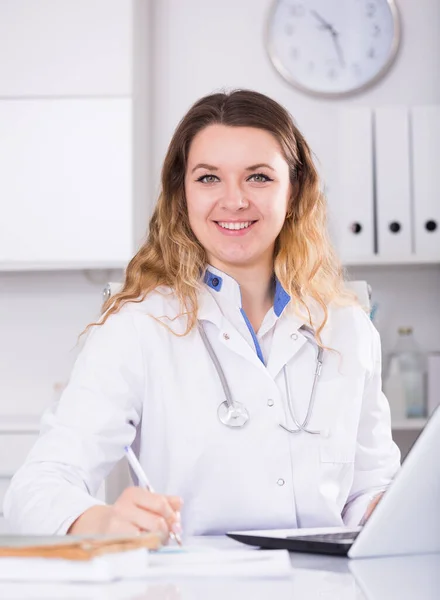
74, 547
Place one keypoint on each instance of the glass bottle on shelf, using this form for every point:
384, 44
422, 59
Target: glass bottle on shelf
404, 383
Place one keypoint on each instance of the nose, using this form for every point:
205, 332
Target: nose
233, 197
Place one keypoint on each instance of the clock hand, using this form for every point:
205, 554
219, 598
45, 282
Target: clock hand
335, 35
325, 23
337, 44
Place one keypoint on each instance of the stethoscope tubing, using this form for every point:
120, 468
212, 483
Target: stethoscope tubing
234, 414
303, 426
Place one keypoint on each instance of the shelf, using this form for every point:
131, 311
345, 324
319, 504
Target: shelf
377, 260
409, 424
61, 266
20, 424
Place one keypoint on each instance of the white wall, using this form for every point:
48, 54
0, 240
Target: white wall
200, 46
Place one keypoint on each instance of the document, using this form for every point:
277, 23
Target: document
203, 561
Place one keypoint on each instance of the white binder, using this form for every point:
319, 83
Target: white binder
425, 121
355, 186
393, 191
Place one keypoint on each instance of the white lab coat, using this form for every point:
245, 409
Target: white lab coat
136, 383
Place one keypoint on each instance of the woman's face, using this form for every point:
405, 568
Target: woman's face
237, 189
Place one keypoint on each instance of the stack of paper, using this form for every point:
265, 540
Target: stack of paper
79, 559
75, 558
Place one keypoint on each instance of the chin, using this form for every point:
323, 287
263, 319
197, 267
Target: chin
238, 261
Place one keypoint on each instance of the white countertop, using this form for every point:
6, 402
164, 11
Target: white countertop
311, 577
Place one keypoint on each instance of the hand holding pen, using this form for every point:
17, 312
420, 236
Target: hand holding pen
136, 510
165, 509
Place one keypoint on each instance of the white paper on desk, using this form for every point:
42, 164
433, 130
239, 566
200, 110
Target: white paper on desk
207, 562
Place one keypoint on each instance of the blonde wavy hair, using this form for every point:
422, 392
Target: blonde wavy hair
305, 262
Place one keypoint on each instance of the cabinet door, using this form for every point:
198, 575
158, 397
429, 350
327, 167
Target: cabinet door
4, 484
65, 47
65, 182
14, 449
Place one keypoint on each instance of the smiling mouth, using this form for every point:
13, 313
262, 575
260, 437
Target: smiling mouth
234, 226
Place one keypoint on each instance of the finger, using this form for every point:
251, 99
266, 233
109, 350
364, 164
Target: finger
372, 506
156, 503
147, 521
176, 502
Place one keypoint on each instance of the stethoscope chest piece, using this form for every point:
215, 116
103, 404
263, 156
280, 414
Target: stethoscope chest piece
233, 416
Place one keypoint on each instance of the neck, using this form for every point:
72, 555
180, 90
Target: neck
256, 286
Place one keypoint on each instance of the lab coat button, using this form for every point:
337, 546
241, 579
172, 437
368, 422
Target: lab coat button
270, 403
281, 481
226, 336
294, 336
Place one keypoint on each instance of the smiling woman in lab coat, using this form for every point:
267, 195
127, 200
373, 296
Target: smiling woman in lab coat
236, 287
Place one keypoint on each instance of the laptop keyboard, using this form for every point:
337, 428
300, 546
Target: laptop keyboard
342, 537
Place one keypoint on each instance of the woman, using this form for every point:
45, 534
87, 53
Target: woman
236, 288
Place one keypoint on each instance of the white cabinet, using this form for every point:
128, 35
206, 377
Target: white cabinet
66, 181
66, 94
4, 483
65, 47
17, 436
14, 447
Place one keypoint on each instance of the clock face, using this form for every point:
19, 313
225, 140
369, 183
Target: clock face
332, 47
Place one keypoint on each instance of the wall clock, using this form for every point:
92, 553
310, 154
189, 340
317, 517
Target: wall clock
332, 48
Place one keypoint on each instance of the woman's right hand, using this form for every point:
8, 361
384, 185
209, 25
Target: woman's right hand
136, 510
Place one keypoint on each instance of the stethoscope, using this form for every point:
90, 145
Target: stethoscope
235, 414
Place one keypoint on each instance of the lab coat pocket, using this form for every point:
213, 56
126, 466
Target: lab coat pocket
337, 451
339, 402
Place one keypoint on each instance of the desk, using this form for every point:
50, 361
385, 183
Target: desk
312, 577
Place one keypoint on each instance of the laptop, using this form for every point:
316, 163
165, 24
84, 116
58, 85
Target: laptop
406, 520
402, 577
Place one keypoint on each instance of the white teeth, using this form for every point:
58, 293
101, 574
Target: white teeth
243, 225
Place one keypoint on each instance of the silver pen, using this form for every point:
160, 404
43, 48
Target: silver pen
144, 483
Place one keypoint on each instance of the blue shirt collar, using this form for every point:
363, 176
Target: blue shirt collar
227, 286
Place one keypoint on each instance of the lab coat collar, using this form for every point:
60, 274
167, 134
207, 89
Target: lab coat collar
229, 289
290, 335
223, 285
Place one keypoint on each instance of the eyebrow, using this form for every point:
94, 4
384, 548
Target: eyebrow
213, 168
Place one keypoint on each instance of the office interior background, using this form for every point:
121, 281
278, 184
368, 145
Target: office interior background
90, 93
